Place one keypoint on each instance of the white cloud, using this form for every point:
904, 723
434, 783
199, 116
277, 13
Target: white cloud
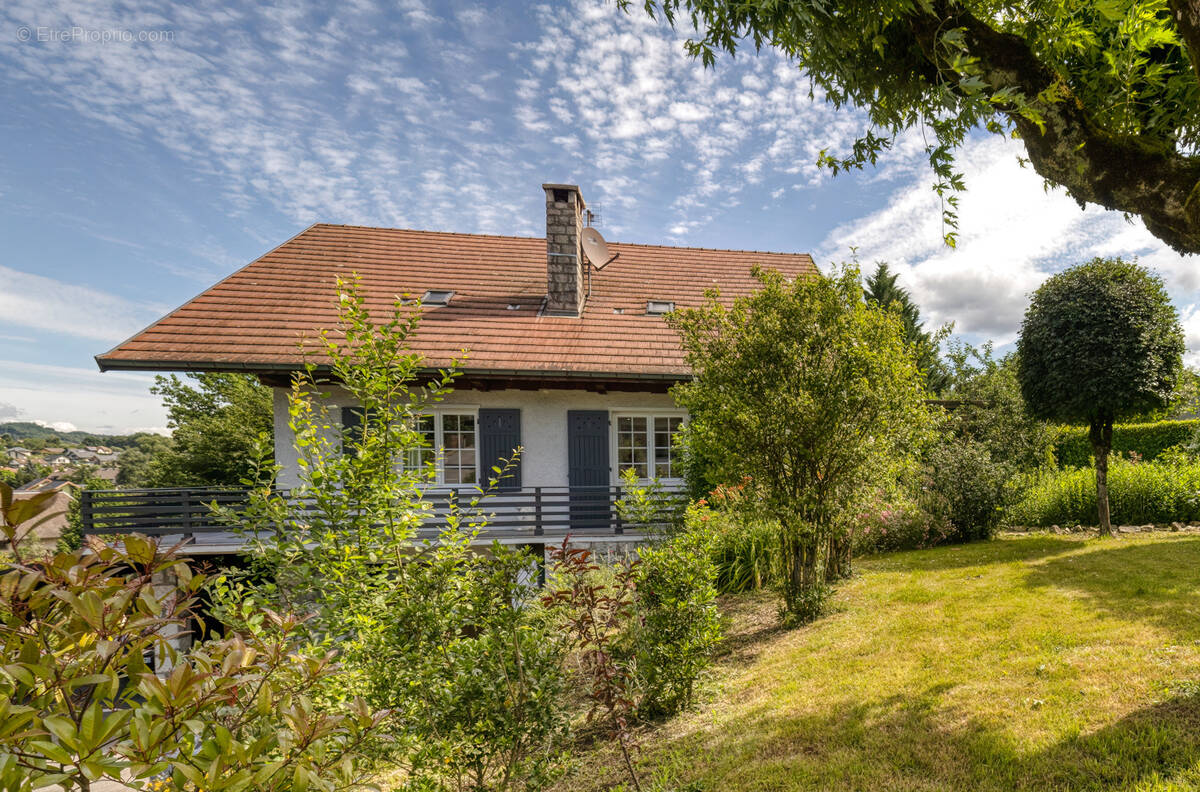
1013, 233
58, 426
56, 396
42, 303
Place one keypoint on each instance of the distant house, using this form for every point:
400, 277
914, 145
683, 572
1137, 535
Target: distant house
44, 535
570, 358
18, 455
44, 484
94, 455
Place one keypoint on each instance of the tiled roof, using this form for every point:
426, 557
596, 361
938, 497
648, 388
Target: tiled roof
254, 319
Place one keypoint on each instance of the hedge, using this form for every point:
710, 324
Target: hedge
1072, 448
1146, 492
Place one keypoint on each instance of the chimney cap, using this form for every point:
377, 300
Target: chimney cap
568, 187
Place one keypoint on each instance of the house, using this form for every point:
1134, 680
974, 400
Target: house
82, 455
570, 362
44, 484
93, 455
18, 455
41, 535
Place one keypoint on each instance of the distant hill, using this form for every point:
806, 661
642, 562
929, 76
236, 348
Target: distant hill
17, 432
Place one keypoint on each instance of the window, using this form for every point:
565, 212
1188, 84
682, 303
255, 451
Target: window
458, 444
631, 444
436, 297
665, 429
418, 458
646, 444
659, 307
453, 434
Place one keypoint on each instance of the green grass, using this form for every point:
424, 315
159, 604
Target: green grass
1031, 663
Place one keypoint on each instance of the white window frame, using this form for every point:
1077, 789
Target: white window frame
439, 443
440, 427
649, 414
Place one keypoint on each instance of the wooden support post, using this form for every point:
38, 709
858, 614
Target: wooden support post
538, 528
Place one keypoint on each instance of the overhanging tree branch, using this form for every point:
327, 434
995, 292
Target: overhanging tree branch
1067, 147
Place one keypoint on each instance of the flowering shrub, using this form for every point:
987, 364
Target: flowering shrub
900, 526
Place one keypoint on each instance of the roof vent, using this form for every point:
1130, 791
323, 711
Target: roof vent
434, 297
514, 306
659, 307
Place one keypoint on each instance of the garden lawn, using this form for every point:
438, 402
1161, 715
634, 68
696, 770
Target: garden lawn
1031, 662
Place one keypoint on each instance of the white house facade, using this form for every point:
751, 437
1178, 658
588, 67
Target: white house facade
566, 357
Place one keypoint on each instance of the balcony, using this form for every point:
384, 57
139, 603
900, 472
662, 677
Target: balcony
531, 515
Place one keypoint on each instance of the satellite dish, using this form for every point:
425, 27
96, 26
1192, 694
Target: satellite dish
595, 248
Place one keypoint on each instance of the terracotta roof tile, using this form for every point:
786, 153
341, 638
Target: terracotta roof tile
256, 318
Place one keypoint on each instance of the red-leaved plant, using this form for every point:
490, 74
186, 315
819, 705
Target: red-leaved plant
595, 613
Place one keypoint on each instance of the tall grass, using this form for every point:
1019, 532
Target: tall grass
746, 553
1138, 492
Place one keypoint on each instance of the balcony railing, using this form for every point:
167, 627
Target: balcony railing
536, 514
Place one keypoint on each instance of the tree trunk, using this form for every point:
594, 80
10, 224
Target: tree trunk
804, 586
1101, 437
837, 559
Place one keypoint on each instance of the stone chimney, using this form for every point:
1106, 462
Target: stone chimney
564, 255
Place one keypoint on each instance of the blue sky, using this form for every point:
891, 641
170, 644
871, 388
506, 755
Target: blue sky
150, 149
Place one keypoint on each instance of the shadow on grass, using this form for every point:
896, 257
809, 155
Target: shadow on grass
911, 743
1156, 583
980, 553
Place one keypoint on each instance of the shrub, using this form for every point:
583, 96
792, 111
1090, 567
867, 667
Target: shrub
900, 526
965, 487
1072, 448
595, 615
80, 702
1140, 492
677, 624
769, 399
493, 673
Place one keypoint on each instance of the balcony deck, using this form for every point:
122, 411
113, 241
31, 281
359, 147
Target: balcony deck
531, 515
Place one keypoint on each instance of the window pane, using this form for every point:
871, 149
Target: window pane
665, 429
419, 455
632, 437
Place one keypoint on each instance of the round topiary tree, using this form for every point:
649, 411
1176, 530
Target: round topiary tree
1100, 341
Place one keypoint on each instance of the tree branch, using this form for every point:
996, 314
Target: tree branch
1069, 148
1186, 14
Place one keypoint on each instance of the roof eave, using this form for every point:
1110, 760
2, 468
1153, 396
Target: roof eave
110, 364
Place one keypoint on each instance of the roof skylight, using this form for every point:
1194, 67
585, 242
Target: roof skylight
435, 297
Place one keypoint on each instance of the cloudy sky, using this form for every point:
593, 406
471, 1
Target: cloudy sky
150, 149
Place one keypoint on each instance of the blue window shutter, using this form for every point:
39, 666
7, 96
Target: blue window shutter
499, 437
352, 424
